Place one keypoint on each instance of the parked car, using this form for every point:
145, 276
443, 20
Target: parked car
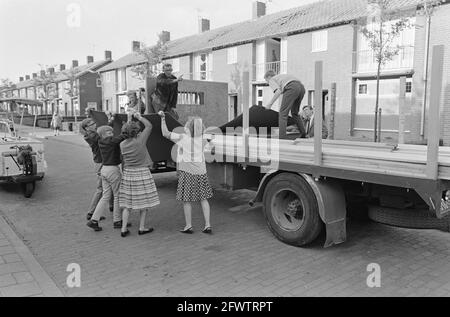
22, 159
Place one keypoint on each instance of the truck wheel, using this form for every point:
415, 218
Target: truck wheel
408, 218
291, 210
28, 189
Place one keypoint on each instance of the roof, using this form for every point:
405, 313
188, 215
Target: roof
305, 18
62, 75
80, 70
30, 102
125, 61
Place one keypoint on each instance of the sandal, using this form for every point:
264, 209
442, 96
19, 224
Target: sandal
187, 231
207, 230
141, 233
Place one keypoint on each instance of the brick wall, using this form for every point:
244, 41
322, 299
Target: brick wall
214, 112
337, 67
440, 30
109, 90
89, 92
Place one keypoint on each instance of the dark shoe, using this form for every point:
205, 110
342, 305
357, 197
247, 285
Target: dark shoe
88, 217
141, 233
94, 225
111, 209
207, 230
187, 231
102, 218
118, 225
124, 234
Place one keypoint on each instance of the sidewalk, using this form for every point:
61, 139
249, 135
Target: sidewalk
20, 274
40, 133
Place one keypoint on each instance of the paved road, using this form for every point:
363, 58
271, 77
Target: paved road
242, 258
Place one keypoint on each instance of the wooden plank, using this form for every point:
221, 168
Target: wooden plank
245, 110
434, 111
401, 109
318, 113
333, 111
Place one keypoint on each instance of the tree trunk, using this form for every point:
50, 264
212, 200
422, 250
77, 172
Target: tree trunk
377, 103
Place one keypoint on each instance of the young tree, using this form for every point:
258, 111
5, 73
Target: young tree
47, 80
381, 31
6, 87
152, 56
72, 88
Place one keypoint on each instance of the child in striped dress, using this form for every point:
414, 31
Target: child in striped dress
137, 189
193, 184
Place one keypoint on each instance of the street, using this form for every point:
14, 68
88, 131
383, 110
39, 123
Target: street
241, 258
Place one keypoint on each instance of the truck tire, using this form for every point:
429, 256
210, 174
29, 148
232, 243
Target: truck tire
28, 189
408, 218
291, 210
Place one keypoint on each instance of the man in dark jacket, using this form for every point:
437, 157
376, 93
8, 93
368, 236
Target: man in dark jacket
308, 119
167, 89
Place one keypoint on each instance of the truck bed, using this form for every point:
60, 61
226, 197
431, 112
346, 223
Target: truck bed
384, 159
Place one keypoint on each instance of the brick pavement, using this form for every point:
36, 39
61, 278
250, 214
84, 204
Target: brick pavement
20, 273
242, 258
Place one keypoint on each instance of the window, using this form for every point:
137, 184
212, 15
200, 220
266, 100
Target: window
107, 77
311, 97
203, 66
232, 55
260, 96
319, 41
408, 87
362, 89
121, 80
122, 100
176, 65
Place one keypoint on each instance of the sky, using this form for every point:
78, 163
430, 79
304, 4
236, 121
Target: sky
51, 32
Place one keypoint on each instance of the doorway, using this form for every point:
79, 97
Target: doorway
233, 112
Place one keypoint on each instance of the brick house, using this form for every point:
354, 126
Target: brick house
291, 41
85, 90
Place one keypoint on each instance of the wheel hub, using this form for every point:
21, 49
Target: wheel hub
288, 210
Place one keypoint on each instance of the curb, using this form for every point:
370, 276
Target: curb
47, 285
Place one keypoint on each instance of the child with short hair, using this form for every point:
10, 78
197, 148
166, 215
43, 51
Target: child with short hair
111, 174
193, 183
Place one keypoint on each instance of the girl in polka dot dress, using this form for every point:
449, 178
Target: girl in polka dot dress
193, 184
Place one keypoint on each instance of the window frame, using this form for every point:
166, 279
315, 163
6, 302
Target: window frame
317, 36
232, 55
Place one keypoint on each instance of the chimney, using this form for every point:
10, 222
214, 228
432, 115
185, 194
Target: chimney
203, 25
165, 36
74, 63
108, 55
34, 75
90, 59
135, 46
27, 77
259, 9
51, 70
20, 78
42, 73
62, 67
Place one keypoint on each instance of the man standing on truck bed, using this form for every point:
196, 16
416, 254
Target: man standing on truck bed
167, 89
293, 92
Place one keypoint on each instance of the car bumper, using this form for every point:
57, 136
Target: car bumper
23, 178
